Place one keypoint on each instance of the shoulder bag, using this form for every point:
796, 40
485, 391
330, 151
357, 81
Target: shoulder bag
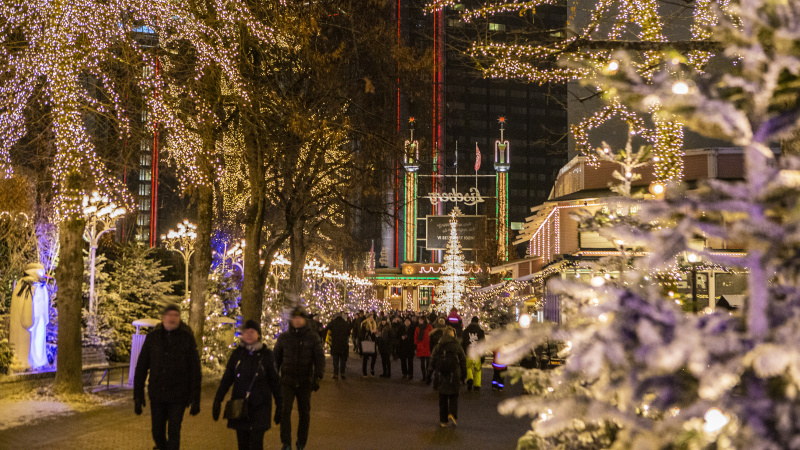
236, 409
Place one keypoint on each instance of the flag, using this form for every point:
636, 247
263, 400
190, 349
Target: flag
477, 158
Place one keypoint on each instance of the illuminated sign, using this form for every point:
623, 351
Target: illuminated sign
471, 232
472, 198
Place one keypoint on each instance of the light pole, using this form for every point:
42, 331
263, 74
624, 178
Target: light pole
182, 241
693, 259
101, 216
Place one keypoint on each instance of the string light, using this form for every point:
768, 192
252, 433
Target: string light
59, 44
453, 279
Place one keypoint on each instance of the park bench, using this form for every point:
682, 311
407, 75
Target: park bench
94, 361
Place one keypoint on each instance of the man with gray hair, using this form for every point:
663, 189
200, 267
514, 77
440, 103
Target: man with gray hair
169, 354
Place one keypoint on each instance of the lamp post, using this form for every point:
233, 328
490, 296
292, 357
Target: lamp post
236, 255
693, 259
101, 216
182, 241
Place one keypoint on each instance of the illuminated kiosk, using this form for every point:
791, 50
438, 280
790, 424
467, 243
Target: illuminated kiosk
414, 282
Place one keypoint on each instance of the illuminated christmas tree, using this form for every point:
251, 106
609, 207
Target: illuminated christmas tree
454, 279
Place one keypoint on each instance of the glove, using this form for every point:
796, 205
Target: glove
195, 408
138, 403
216, 409
278, 413
315, 385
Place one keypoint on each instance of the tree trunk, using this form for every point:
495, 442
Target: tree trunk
201, 261
69, 277
297, 254
253, 281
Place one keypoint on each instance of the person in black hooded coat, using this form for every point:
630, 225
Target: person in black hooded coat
339, 331
251, 369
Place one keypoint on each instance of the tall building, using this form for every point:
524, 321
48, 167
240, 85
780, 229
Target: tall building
158, 201
464, 111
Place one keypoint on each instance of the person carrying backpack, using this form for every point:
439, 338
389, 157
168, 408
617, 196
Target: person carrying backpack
471, 336
449, 364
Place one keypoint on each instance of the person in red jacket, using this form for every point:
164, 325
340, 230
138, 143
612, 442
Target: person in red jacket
422, 339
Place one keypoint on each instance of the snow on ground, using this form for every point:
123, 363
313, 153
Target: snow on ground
40, 404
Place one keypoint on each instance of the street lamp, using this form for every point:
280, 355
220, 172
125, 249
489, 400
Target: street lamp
182, 241
236, 255
693, 259
101, 216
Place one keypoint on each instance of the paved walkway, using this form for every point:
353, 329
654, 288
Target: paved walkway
356, 413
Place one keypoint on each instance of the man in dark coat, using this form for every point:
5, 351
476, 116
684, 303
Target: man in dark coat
357, 330
169, 353
340, 344
448, 377
251, 372
471, 336
301, 361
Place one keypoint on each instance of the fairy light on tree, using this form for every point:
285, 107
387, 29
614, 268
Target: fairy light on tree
453, 280
586, 50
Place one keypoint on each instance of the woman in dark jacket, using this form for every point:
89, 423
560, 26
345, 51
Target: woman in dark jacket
385, 343
251, 370
406, 349
449, 364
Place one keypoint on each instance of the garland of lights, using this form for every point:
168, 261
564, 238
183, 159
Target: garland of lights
453, 279
56, 60
567, 61
666, 137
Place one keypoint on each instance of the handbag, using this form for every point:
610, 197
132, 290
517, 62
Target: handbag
236, 408
367, 346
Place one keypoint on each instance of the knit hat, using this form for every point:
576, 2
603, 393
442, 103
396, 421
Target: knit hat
440, 323
170, 307
300, 311
475, 319
252, 324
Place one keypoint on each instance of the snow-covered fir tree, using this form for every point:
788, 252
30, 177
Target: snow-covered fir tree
454, 271
640, 371
133, 289
222, 309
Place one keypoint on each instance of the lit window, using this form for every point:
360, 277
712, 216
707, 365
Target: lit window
144, 189
145, 175
396, 291
497, 27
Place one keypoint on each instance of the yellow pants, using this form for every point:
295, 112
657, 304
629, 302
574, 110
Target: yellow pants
474, 371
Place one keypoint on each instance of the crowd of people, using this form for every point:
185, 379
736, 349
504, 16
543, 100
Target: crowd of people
289, 373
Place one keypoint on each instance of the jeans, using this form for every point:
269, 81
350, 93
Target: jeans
250, 440
423, 366
367, 356
448, 404
386, 364
166, 415
339, 363
474, 372
407, 365
303, 393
